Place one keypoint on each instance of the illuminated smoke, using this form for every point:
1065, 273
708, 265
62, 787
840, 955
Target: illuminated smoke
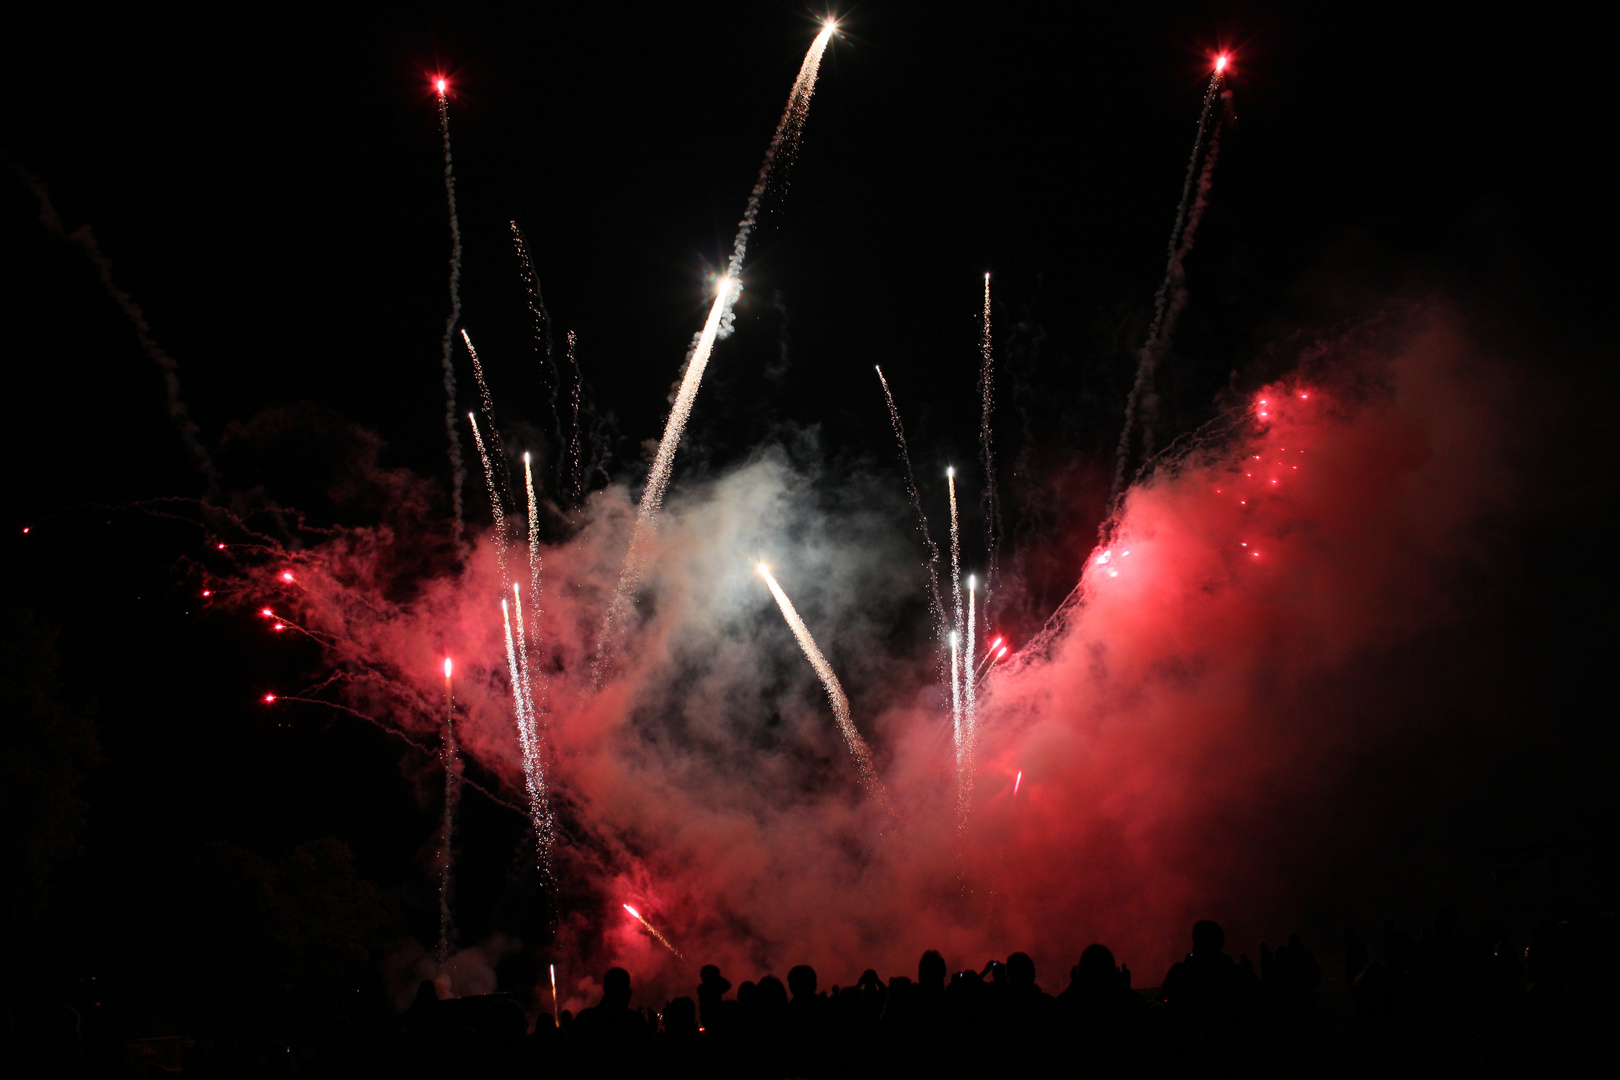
458, 473
662, 940
784, 143
835, 692
1170, 299
916, 504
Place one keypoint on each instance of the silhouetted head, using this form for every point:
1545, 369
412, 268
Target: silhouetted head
1020, 970
680, 1017
931, 969
712, 981
802, 981
771, 993
616, 988
1208, 938
1096, 967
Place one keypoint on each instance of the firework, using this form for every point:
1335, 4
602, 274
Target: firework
1018, 781
534, 532
452, 791
835, 692
782, 146
990, 500
542, 326
495, 506
916, 504
533, 776
964, 754
1171, 297
485, 402
958, 658
556, 1016
578, 488
458, 473
662, 940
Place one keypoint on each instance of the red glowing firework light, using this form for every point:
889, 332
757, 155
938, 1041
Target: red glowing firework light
441, 85
1220, 63
447, 667
269, 699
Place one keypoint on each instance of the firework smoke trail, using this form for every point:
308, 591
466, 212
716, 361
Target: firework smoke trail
542, 324
458, 472
573, 445
783, 144
495, 506
190, 434
452, 795
662, 940
916, 504
990, 499
835, 692
533, 777
1165, 310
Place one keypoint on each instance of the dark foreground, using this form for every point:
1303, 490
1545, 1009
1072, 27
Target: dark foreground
1443, 1003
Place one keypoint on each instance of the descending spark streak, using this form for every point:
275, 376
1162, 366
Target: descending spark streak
495, 507
958, 660
782, 145
542, 324
452, 792
486, 403
1165, 309
916, 504
991, 499
835, 692
964, 759
458, 473
573, 444
556, 1017
534, 532
662, 940
533, 778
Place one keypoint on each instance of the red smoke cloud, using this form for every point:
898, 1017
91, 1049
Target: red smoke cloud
1182, 732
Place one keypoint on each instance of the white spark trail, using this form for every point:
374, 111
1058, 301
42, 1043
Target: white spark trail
783, 144
534, 532
835, 693
458, 472
970, 719
452, 795
578, 489
957, 660
991, 498
534, 782
916, 504
496, 509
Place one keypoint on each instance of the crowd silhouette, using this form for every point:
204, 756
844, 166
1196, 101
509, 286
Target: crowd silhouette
1446, 1002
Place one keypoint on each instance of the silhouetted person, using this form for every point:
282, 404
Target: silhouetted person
712, 1011
1210, 1005
611, 1036
1102, 1022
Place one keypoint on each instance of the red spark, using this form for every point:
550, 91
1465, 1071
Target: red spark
286, 575
267, 613
1220, 63
441, 85
269, 699
632, 911
208, 592
220, 546
1002, 653
447, 667
27, 529
1017, 782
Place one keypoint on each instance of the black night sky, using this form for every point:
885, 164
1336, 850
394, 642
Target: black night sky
267, 183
